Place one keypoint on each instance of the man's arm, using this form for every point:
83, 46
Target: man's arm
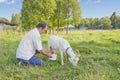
48, 54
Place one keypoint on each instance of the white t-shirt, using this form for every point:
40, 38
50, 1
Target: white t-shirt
28, 45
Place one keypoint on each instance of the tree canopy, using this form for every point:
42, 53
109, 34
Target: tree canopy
56, 13
34, 11
4, 20
16, 19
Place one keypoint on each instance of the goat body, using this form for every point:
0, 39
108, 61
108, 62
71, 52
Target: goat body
62, 45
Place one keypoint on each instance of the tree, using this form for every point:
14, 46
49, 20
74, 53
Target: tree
96, 21
113, 20
34, 11
84, 22
118, 22
16, 19
60, 14
67, 12
75, 11
4, 20
88, 22
106, 23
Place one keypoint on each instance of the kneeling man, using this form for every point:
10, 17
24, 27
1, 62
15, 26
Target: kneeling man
30, 44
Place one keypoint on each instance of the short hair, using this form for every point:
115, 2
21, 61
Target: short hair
41, 24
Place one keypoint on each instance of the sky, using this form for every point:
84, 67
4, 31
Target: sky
90, 8
9, 7
99, 8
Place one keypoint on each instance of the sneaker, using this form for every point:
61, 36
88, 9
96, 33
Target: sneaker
20, 63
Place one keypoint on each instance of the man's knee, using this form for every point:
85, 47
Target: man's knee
36, 61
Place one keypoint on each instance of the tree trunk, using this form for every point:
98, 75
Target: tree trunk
67, 28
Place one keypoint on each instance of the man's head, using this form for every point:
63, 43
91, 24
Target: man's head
42, 27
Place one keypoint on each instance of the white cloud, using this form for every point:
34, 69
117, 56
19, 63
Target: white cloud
93, 1
97, 1
2, 1
7, 1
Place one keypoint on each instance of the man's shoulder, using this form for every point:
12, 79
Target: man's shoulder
34, 32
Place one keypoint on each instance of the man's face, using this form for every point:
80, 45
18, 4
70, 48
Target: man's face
43, 30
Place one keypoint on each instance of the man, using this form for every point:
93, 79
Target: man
30, 44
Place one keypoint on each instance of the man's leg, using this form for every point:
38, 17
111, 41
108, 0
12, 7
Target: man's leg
31, 62
35, 61
23, 62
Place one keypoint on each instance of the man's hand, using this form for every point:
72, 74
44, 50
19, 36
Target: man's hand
48, 54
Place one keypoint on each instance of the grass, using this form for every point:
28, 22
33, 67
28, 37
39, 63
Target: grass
100, 57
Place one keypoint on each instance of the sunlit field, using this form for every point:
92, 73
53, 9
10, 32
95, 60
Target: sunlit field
99, 60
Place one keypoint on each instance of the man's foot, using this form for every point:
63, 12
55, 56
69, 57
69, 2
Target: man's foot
20, 63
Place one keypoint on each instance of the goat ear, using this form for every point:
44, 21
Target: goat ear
75, 51
78, 53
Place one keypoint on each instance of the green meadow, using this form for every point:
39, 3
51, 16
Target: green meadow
99, 60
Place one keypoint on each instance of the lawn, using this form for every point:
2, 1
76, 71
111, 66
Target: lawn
99, 60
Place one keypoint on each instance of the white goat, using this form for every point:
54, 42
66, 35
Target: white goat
62, 45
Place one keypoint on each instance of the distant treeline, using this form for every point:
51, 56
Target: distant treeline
112, 22
14, 24
14, 21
